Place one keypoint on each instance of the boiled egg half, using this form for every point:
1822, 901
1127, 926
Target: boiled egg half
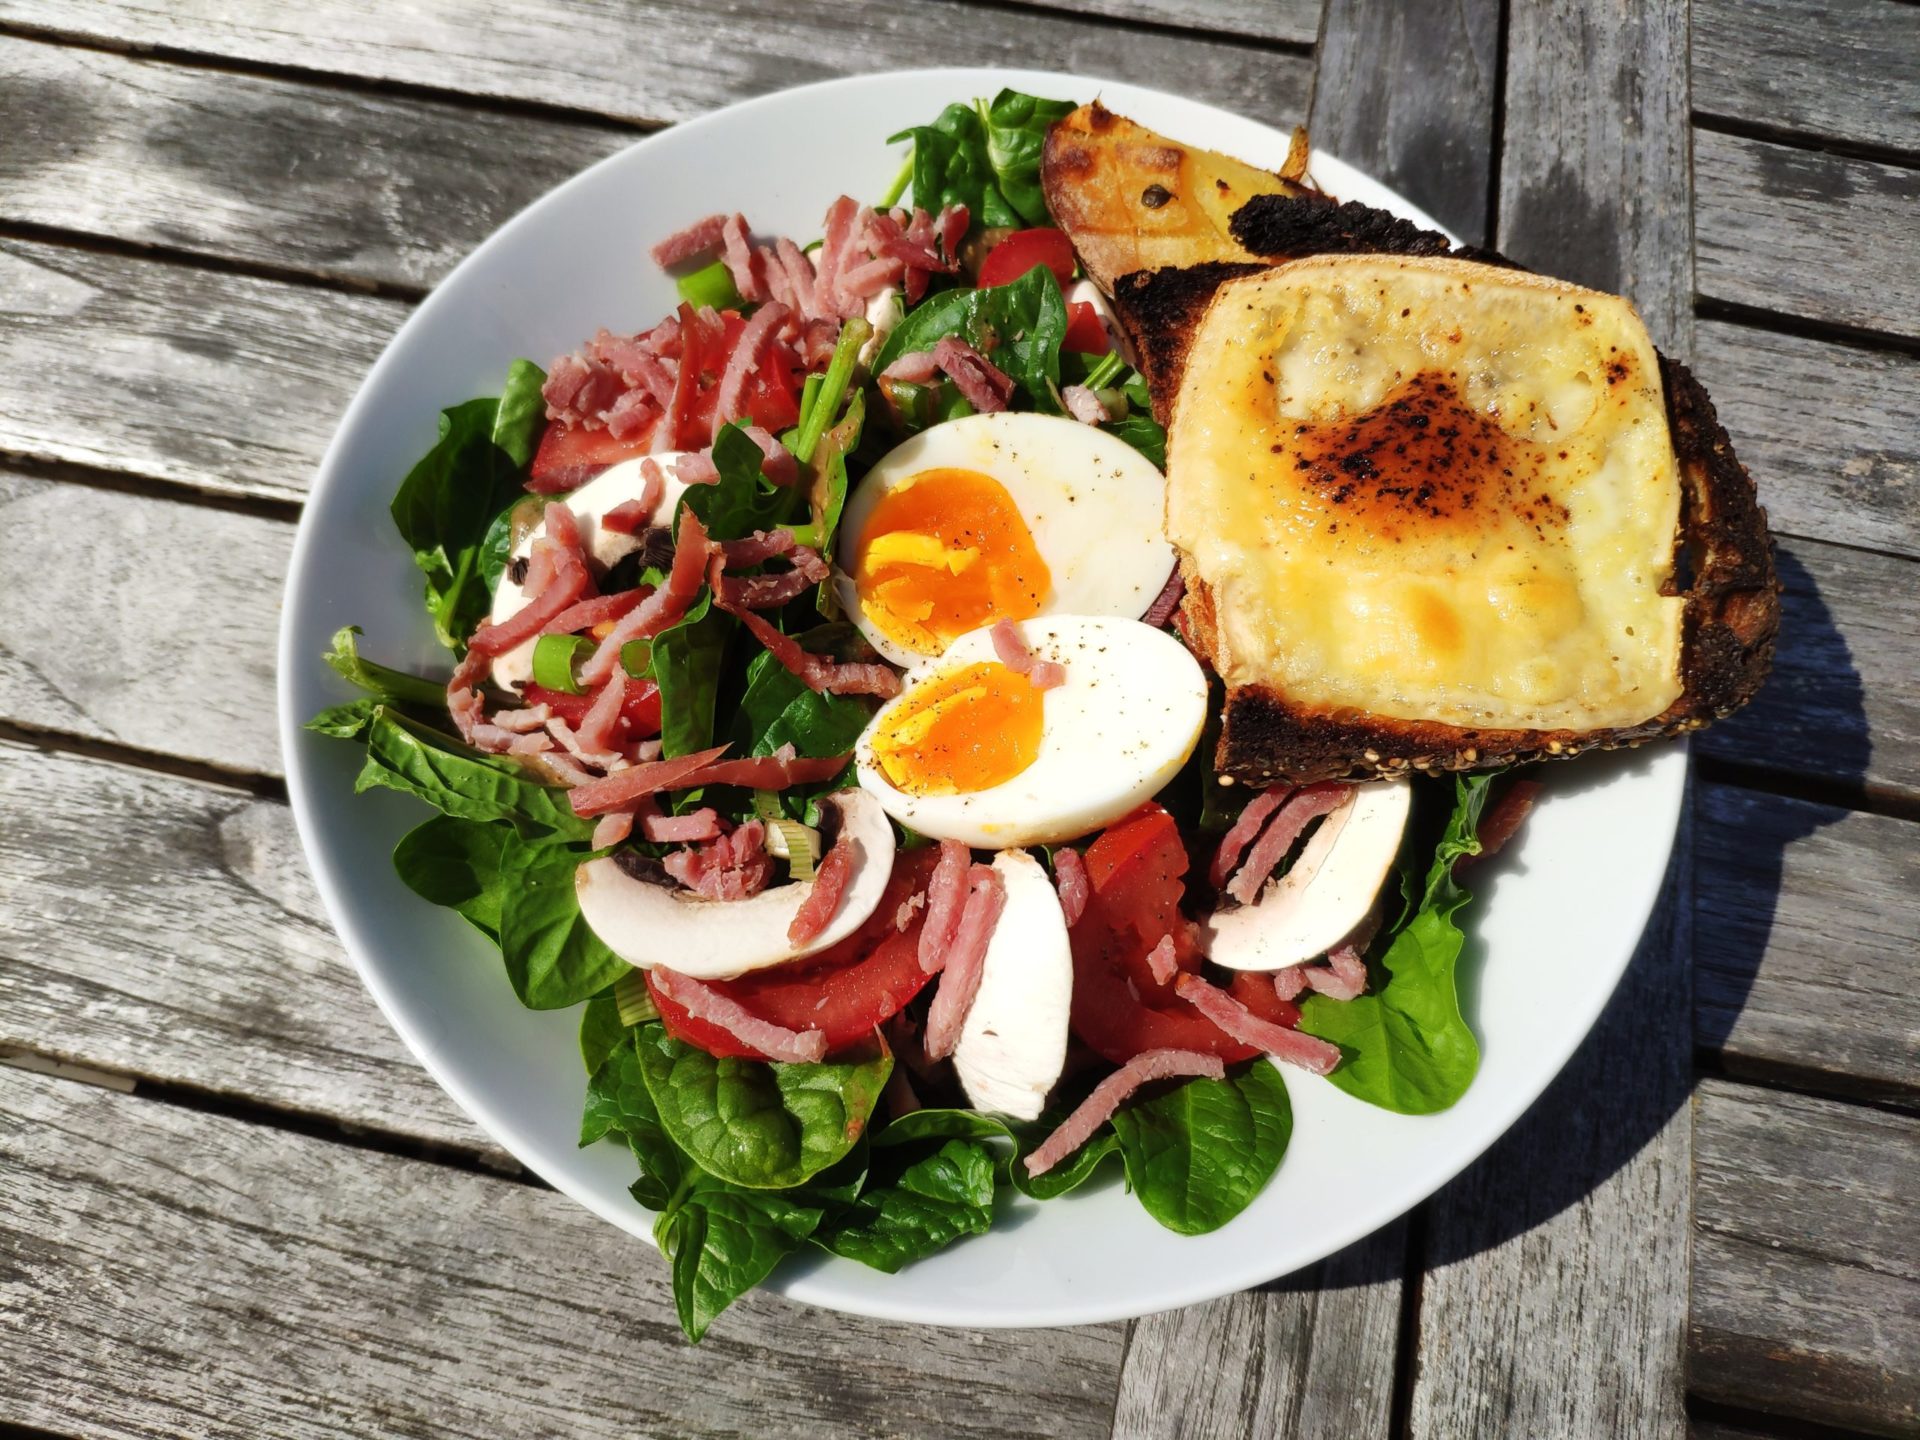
999, 517
971, 750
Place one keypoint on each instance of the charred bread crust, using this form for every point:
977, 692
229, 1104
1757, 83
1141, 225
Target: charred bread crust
1159, 311
1728, 627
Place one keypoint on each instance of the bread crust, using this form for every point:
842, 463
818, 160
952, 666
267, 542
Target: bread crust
1723, 550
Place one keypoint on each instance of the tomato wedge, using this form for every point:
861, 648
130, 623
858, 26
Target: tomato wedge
1024, 249
1134, 872
569, 456
845, 990
1085, 332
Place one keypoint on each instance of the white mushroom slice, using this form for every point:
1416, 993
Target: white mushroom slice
650, 923
608, 490
1014, 1040
1327, 893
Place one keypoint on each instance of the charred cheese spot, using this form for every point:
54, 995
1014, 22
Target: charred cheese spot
1425, 490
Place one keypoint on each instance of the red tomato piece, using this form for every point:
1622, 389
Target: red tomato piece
640, 708
1085, 332
1024, 249
568, 457
845, 990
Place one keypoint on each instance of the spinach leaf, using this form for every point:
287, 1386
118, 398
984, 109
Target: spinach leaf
929, 1205
986, 157
938, 1124
444, 508
1019, 326
456, 863
497, 548
381, 680
407, 756
600, 1030
777, 709
1198, 1154
1016, 128
618, 1102
350, 721
553, 958
742, 500
687, 661
521, 415
721, 1241
760, 1125
1405, 1045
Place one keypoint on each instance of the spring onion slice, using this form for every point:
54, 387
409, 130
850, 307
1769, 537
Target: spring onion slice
899, 185
631, 999
710, 285
553, 662
854, 333
636, 658
800, 846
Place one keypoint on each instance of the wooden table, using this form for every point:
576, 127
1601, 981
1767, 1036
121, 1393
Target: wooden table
231, 1203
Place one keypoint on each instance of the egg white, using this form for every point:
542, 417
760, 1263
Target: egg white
1112, 736
1094, 505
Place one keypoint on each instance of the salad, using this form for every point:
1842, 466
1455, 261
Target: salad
820, 724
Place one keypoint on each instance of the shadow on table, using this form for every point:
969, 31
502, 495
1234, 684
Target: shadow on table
1635, 1069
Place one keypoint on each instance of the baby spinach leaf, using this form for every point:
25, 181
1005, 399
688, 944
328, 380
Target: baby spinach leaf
1016, 129
618, 1102
687, 661
777, 709
349, 721
1405, 1044
986, 157
456, 863
553, 958
407, 756
926, 1207
721, 1241
1198, 1154
381, 680
939, 1124
443, 511
760, 1125
1018, 326
600, 1030
1071, 1173
742, 500
521, 415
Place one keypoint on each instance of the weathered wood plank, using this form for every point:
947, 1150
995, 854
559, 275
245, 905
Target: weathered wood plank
1827, 430
1309, 1355
172, 1272
1594, 176
1812, 234
1569, 1238
340, 183
1806, 929
217, 381
156, 630
1430, 141
169, 929
1848, 70
1841, 703
1290, 21
666, 60
1806, 1295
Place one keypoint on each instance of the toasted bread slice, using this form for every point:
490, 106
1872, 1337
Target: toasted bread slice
1134, 200
1703, 603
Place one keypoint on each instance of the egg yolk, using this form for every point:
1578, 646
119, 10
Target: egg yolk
945, 552
970, 729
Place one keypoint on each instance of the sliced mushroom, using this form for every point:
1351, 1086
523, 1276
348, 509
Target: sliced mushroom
648, 923
1327, 893
1013, 1043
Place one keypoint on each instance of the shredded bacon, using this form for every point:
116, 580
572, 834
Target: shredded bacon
966, 959
1085, 405
1343, 977
731, 866
1111, 1093
701, 824
588, 613
777, 771
749, 353
987, 387
1167, 601
1302, 806
564, 580
757, 548
1243, 830
829, 883
1161, 961
523, 722
737, 251
1290, 981
775, 1042
1047, 675
612, 828
599, 727
663, 607
1501, 821
946, 897
908, 908
1070, 878
1012, 648
821, 674
615, 792
1236, 1021
700, 238
916, 367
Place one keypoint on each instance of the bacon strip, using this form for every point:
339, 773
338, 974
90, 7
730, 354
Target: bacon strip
1290, 981
602, 720
829, 883
701, 824
821, 674
1084, 405
663, 607
1110, 1094
777, 464
700, 238
987, 387
612, 828
1272, 846
1070, 878
1247, 825
749, 353
568, 582
966, 959
1499, 824
757, 548
1047, 675
768, 772
737, 251
916, 367
1012, 649
1343, 977
586, 614
775, 1042
731, 866
1161, 962
946, 896
523, 722
1236, 1021
1167, 601
615, 792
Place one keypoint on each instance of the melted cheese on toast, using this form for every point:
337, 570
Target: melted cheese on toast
1429, 489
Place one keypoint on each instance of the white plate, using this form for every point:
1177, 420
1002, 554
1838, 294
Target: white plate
1551, 934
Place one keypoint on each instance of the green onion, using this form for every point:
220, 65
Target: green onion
954, 405
794, 843
1105, 371
808, 535
636, 658
899, 185
833, 389
914, 402
553, 661
766, 804
710, 285
632, 1000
